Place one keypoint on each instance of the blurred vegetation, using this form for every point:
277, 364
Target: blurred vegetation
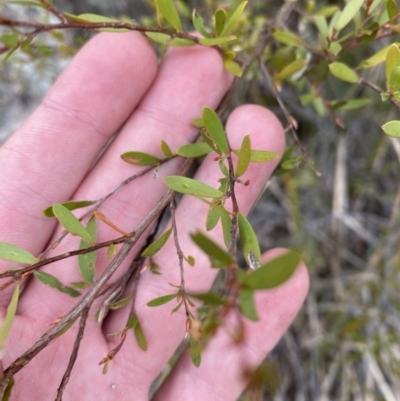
337, 196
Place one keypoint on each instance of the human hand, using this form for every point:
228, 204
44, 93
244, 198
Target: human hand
114, 82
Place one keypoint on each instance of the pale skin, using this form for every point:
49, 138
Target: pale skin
115, 83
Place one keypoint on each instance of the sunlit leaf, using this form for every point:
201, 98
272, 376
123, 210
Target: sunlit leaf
53, 282
153, 248
342, 72
168, 11
392, 61
189, 186
195, 351
87, 261
233, 68
121, 303
8, 320
210, 298
348, 13
194, 149
215, 129
161, 300
272, 273
111, 250
213, 215
198, 24
218, 256
233, 19
134, 324
260, 156
321, 24
216, 41
139, 158
219, 19
246, 304
377, 58
166, 150
288, 38
392, 128
71, 223
70, 205
248, 239
13, 253
167, 40
244, 156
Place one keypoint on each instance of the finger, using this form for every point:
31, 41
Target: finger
163, 331
226, 364
49, 155
187, 79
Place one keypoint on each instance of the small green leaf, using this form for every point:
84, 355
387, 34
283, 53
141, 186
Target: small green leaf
246, 304
139, 158
392, 128
392, 61
226, 223
189, 186
195, 351
290, 70
218, 256
213, 215
248, 239
167, 40
161, 300
216, 41
198, 24
168, 11
348, 13
219, 19
377, 58
13, 253
8, 390
233, 19
177, 308
70, 291
87, 261
153, 248
48, 279
273, 273
134, 324
8, 320
210, 298
71, 205
71, 223
111, 250
342, 72
194, 149
288, 38
166, 150
79, 285
352, 104
191, 260
392, 11
120, 303
322, 25
244, 156
215, 129
260, 156
394, 79
198, 122
233, 68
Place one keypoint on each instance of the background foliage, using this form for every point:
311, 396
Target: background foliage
343, 211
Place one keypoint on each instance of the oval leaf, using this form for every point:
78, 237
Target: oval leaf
189, 186
161, 300
348, 13
87, 261
273, 273
70, 205
244, 156
219, 19
377, 58
218, 256
215, 129
233, 68
246, 304
249, 241
134, 324
392, 128
216, 41
392, 60
194, 150
153, 248
344, 73
166, 150
290, 70
71, 223
139, 158
288, 38
213, 215
8, 320
168, 11
13, 253
394, 79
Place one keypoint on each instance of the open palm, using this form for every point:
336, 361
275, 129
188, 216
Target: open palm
114, 84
